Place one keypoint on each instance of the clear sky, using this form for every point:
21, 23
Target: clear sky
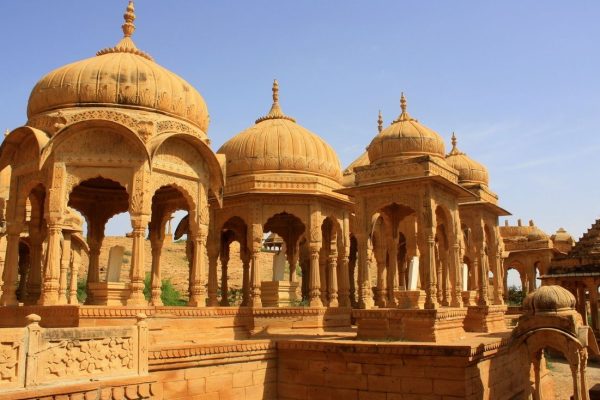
516, 80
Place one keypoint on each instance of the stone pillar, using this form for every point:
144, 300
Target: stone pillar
65, 263
11, 264
256, 243
381, 288
392, 270
75, 265
365, 297
333, 283
246, 280
537, 367
351, 279
24, 264
594, 307
344, 283
480, 264
323, 256
431, 284
34, 281
51, 271
137, 274
293, 255
315, 281
456, 300
213, 256
156, 243
197, 291
224, 288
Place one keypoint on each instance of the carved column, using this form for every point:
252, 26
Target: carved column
594, 307
9, 276
246, 279
344, 283
34, 281
537, 367
457, 275
137, 274
314, 293
392, 271
213, 257
293, 254
365, 297
65, 263
323, 256
197, 291
351, 276
156, 244
51, 271
333, 284
427, 227
256, 243
75, 265
224, 288
381, 288
481, 262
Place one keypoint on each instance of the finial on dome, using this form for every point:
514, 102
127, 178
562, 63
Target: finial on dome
6, 132
455, 151
275, 112
379, 122
404, 116
129, 16
126, 45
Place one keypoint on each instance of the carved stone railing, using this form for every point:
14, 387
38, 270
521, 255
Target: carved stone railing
34, 356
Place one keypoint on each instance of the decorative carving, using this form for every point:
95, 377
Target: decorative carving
9, 357
83, 357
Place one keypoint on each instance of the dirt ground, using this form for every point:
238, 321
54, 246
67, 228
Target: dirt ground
563, 382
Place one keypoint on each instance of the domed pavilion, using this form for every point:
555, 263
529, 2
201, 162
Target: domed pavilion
110, 134
281, 178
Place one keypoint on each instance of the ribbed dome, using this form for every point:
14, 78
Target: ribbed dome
469, 170
405, 137
551, 299
121, 76
276, 143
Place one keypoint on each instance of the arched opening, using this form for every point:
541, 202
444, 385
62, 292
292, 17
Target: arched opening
287, 276
514, 292
31, 250
234, 258
107, 281
329, 261
168, 281
536, 273
353, 270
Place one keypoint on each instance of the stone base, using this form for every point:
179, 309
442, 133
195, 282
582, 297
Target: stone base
301, 320
415, 325
278, 293
486, 318
410, 299
108, 293
469, 297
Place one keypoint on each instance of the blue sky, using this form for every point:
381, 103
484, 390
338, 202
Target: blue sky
516, 80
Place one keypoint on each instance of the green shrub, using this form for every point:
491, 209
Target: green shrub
515, 296
169, 295
127, 253
81, 291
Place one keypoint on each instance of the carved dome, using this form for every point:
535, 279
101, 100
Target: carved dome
121, 76
552, 298
276, 143
562, 235
405, 137
469, 170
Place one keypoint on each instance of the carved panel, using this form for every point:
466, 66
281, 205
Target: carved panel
9, 363
177, 156
80, 357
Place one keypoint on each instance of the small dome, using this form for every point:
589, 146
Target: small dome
405, 137
562, 235
469, 170
121, 76
276, 143
552, 299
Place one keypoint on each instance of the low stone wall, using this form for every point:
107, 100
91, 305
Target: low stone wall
384, 371
245, 370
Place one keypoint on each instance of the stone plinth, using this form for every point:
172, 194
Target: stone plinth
410, 299
313, 320
415, 325
108, 293
278, 293
486, 318
469, 297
